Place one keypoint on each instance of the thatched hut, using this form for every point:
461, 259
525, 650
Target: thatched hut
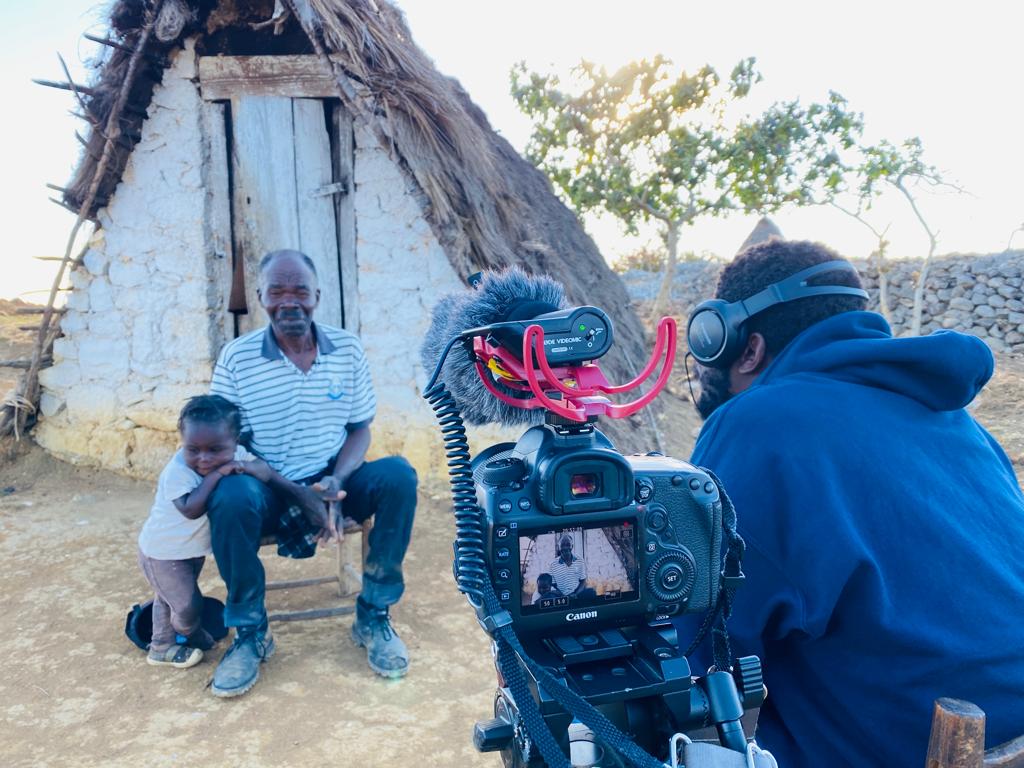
310, 124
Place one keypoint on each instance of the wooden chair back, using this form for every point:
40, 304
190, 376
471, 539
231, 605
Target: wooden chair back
958, 739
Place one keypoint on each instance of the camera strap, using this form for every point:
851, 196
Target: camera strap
509, 648
729, 581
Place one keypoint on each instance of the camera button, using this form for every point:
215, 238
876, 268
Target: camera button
503, 574
644, 491
652, 546
501, 533
657, 520
503, 553
670, 577
505, 506
505, 595
525, 504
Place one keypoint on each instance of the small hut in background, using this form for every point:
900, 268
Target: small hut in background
308, 124
765, 229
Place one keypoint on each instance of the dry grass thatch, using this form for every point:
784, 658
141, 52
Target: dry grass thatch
488, 207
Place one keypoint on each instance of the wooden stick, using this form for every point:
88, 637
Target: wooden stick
318, 613
295, 583
38, 310
160, 61
73, 87
24, 364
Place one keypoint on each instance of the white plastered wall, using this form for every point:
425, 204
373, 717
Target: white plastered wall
146, 317
142, 323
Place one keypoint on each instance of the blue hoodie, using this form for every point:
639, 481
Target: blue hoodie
884, 529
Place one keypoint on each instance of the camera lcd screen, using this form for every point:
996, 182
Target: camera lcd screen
574, 567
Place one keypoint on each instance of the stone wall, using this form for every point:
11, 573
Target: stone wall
139, 331
980, 295
146, 317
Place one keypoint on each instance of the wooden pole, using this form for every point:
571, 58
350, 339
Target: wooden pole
958, 735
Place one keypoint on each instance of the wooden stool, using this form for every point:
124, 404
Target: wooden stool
348, 577
958, 739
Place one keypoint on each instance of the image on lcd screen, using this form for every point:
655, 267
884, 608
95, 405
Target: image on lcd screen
565, 568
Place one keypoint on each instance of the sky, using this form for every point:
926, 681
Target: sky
950, 74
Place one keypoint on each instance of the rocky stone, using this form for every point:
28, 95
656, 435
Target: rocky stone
104, 359
995, 300
984, 310
101, 298
95, 260
127, 274
50, 405
92, 403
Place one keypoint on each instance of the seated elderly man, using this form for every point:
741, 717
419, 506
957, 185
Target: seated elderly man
306, 396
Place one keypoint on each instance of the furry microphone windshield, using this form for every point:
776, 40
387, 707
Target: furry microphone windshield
508, 295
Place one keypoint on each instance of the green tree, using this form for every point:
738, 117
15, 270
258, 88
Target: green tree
648, 144
902, 169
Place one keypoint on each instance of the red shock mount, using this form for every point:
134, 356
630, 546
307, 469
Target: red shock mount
582, 386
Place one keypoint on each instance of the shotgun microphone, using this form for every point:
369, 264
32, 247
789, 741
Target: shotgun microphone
500, 297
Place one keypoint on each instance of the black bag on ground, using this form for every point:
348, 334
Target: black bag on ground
138, 625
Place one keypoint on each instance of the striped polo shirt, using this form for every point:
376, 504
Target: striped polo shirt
298, 420
568, 577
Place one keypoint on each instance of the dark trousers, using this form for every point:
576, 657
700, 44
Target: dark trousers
178, 603
242, 509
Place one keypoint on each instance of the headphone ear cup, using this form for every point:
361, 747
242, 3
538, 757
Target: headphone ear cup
707, 332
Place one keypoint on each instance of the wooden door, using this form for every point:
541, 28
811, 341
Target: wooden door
283, 192
291, 152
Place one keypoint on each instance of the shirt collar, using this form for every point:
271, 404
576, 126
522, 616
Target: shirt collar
271, 350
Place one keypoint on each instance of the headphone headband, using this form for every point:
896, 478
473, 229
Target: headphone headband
715, 332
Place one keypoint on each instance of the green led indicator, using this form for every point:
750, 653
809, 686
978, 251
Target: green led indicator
583, 327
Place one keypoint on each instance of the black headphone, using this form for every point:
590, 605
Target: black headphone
716, 332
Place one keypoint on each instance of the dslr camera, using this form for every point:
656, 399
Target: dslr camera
590, 553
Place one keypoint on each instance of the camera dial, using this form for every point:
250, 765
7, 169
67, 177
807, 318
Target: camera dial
504, 470
671, 576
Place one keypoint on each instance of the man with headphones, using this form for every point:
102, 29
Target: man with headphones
881, 520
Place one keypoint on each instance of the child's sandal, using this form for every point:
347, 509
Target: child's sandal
177, 656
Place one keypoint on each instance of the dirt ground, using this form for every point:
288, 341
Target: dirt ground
74, 691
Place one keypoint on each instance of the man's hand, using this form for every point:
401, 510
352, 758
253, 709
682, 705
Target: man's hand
329, 488
335, 528
311, 504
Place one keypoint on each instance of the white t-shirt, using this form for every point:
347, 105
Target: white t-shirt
167, 534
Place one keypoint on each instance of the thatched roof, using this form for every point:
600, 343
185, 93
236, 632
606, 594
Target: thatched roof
487, 206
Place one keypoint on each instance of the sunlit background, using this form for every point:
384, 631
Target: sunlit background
950, 74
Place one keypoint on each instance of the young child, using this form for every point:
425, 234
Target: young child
175, 539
